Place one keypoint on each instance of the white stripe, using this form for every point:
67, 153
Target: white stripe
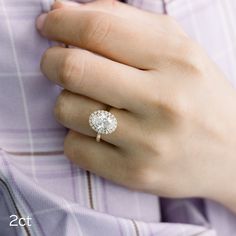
70, 209
224, 52
227, 7
21, 85
226, 32
193, 20
28, 74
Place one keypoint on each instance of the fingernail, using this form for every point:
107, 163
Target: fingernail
40, 21
68, 3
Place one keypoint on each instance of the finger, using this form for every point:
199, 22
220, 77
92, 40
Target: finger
73, 112
132, 14
105, 34
94, 76
100, 158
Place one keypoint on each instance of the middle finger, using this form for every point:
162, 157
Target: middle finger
105, 34
96, 77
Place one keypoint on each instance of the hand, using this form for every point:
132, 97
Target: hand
176, 112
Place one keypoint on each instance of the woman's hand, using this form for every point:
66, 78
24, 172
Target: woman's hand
176, 112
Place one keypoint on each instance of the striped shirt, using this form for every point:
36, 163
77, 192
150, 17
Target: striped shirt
37, 181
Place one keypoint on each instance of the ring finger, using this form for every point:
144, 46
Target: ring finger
73, 112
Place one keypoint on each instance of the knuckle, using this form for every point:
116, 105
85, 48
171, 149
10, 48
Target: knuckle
189, 57
185, 55
139, 175
173, 25
144, 177
148, 141
150, 144
73, 69
194, 55
176, 103
98, 29
168, 106
188, 48
59, 110
176, 106
54, 18
66, 70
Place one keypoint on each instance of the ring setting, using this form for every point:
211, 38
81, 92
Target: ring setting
103, 122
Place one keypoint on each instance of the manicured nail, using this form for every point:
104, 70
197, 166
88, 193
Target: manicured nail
40, 21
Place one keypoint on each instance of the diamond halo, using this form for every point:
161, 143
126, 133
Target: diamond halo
103, 122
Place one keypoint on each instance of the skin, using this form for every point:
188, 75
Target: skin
176, 112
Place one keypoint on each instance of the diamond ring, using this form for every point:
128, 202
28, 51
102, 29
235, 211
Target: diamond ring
103, 122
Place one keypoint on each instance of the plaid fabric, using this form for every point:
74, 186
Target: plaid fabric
36, 179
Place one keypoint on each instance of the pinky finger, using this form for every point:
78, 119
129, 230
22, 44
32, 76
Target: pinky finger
101, 158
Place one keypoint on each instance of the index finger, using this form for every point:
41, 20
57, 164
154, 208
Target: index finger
103, 33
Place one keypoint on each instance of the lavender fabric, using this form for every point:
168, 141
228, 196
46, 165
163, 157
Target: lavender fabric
37, 180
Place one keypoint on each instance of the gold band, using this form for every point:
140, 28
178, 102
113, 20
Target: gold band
98, 138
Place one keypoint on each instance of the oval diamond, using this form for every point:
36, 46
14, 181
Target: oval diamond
103, 122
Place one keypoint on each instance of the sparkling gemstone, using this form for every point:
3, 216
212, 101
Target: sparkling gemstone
103, 122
